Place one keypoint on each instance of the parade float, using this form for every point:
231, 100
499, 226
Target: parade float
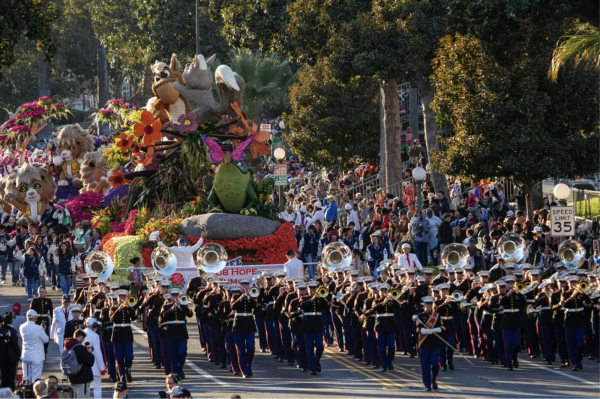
175, 167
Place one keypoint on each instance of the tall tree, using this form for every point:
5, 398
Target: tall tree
31, 19
510, 119
332, 121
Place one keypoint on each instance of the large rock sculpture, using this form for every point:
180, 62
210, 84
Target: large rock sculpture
224, 226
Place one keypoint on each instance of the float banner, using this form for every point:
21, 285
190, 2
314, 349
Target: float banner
232, 274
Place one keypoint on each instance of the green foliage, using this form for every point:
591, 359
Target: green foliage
252, 24
330, 121
127, 248
104, 224
31, 19
579, 48
512, 120
192, 208
113, 213
267, 78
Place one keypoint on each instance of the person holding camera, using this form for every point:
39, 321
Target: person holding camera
31, 264
63, 259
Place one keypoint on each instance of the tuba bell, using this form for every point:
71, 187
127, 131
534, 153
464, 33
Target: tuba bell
254, 292
455, 256
336, 254
572, 254
164, 261
511, 247
100, 263
212, 258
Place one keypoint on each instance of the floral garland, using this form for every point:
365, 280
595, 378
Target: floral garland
269, 249
127, 247
168, 227
108, 245
146, 256
88, 199
136, 221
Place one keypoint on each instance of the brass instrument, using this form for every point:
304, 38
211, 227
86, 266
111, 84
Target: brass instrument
184, 300
523, 289
259, 280
99, 262
464, 305
254, 292
212, 258
584, 287
322, 292
395, 294
487, 290
455, 256
571, 253
131, 301
406, 288
520, 287
533, 312
336, 254
457, 296
546, 286
164, 261
511, 247
595, 294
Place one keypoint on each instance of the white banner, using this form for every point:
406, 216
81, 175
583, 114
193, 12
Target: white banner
232, 274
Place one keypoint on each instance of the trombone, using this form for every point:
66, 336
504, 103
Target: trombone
322, 292
131, 301
395, 294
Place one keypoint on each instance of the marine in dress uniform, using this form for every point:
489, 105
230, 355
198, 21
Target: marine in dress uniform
513, 304
217, 340
152, 322
464, 283
122, 336
338, 308
77, 323
312, 307
173, 317
542, 303
226, 316
447, 309
295, 316
574, 303
368, 324
428, 324
107, 328
284, 322
43, 307
558, 321
385, 326
531, 333
244, 329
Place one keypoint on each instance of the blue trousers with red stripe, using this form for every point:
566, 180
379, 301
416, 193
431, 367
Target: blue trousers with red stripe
512, 344
177, 352
245, 347
545, 333
429, 365
446, 352
109, 352
575, 342
124, 358
154, 343
386, 341
313, 341
372, 344
561, 343
300, 348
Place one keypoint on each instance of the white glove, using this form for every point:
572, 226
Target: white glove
425, 331
436, 330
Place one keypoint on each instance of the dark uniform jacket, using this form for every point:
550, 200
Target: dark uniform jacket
173, 319
72, 325
312, 314
44, 309
513, 305
432, 342
542, 302
384, 309
243, 322
575, 305
447, 312
120, 316
107, 324
295, 316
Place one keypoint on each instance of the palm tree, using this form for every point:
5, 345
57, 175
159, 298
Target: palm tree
267, 78
580, 48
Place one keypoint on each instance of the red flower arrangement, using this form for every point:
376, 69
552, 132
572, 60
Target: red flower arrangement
109, 246
146, 254
88, 199
269, 249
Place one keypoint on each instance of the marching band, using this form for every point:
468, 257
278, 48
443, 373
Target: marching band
491, 315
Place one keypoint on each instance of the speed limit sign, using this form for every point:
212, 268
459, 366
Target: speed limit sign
562, 221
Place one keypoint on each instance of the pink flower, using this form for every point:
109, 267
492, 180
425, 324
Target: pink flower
20, 129
106, 111
7, 125
116, 101
58, 105
45, 98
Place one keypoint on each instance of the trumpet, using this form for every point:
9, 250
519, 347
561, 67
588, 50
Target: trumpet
457, 296
528, 288
322, 292
254, 292
131, 301
184, 300
532, 312
520, 288
395, 294
584, 287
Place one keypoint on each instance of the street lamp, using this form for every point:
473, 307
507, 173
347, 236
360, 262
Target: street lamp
562, 192
279, 155
419, 175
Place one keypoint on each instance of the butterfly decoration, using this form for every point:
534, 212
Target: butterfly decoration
216, 154
52, 170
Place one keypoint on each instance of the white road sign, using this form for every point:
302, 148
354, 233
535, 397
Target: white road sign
562, 221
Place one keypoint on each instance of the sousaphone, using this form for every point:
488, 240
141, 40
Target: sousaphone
212, 258
164, 261
455, 256
336, 254
100, 263
572, 254
511, 247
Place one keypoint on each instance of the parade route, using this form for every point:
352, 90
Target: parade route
341, 377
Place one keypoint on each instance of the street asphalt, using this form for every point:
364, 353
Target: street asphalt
341, 377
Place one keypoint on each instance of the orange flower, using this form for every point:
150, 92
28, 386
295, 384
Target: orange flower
125, 142
148, 128
135, 150
118, 179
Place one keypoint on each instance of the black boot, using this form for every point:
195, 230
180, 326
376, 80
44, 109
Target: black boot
391, 354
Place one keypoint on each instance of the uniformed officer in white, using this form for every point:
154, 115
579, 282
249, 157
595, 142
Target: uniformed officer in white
34, 337
406, 259
294, 266
94, 340
60, 318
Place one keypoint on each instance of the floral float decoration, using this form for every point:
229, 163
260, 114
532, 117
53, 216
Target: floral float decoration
27, 121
